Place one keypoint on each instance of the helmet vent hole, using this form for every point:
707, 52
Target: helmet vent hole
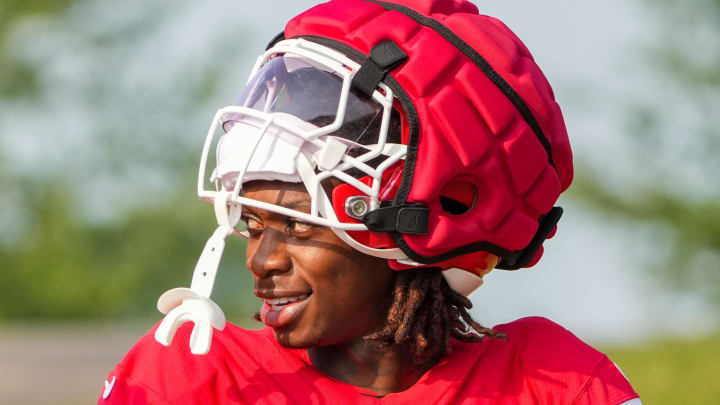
458, 197
452, 206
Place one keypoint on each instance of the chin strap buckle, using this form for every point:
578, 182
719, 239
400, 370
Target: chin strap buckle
194, 304
403, 218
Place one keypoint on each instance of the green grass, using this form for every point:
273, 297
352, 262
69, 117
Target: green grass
673, 371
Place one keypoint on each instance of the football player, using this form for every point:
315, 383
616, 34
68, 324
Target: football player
383, 157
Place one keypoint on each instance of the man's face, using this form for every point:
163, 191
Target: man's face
316, 290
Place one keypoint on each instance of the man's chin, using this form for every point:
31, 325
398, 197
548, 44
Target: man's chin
293, 339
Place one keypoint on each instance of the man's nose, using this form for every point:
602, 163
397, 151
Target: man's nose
267, 254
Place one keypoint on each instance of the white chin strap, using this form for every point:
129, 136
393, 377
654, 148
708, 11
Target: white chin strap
194, 304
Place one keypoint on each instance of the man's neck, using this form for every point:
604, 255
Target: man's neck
367, 364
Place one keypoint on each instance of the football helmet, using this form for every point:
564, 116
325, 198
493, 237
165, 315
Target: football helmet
423, 131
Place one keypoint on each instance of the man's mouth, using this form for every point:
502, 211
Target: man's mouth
279, 312
277, 304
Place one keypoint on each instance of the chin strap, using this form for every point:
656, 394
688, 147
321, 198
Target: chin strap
194, 304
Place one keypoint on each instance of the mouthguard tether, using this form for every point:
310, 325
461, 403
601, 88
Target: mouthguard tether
194, 304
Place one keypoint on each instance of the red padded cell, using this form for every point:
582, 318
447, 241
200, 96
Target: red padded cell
334, 18
497, 111
503, 30
399, 28
421, 72
534, 88
493, 203
444, 230
432, 154
438, 6
462, 126
525, 158
544, 192
561, 152
515, 231
500, 51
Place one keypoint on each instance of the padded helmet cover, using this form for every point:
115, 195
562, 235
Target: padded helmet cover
490, 121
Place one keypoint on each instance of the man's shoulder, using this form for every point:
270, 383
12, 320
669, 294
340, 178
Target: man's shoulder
553, 365
532, 325
541, 343
535, 330
165, 373
540, 362
148, 351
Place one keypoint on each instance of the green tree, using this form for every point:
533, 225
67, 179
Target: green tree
675, 137
18, 78
101, 129
65, 267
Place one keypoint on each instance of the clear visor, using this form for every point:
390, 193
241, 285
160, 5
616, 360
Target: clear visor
290, 84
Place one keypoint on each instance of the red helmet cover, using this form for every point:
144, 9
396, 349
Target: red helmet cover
468, 125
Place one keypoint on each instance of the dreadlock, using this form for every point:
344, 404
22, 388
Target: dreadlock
427, 313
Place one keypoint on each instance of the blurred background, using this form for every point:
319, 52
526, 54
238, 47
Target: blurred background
103, 110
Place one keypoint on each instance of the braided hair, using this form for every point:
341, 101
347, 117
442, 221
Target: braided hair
426, 313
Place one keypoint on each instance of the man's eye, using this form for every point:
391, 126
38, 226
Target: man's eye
299, 227
253, 225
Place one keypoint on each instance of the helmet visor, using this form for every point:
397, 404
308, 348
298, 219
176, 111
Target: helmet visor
293, 85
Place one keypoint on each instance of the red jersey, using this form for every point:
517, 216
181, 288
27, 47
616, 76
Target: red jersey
540, 363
